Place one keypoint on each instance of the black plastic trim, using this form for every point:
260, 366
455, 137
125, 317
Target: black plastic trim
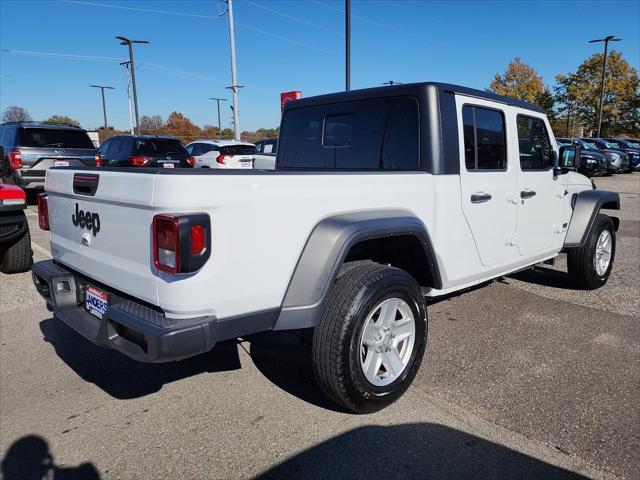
136, 329
325, 252
586, 206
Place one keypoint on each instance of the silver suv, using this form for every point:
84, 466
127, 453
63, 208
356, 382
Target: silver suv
30, 148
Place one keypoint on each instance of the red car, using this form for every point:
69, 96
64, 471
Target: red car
15, 242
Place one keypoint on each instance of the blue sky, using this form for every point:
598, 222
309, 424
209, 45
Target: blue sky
281, 45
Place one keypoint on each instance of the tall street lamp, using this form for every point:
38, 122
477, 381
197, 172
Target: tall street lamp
606, 40
129, 43
347, 44
218, 100
104, 106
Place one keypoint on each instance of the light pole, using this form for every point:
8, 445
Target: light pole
127, 84
234, 74
129, 43
218, 100
104, 106
606, 40
347, 43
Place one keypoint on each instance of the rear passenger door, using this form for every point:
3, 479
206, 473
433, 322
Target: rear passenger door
540, 192
487, 179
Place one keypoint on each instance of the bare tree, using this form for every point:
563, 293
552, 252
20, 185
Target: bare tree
151, 124
14, 113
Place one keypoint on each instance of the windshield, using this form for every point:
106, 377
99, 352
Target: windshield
52, 138
589, 146
156, 147
634, 144
612, 144
238, 150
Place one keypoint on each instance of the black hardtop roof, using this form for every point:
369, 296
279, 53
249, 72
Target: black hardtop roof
416, 89
36, 124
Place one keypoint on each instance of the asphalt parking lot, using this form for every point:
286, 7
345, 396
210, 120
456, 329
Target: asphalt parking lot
524, 378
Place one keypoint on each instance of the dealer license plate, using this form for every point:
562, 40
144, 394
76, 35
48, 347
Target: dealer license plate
61, 163
96, 301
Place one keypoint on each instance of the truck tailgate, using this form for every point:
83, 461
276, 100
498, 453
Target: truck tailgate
106, 234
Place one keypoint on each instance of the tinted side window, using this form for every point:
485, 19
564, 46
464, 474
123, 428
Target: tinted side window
535, 147
104, 148
484, 138
363, 135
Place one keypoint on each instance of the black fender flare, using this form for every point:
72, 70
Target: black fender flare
586, 206
325, 251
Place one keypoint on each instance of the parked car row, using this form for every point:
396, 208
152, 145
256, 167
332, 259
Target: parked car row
30, 148
606, 156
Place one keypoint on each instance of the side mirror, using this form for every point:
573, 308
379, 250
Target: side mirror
569, 158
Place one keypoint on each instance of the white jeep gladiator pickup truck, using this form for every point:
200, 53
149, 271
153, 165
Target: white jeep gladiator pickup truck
380, 198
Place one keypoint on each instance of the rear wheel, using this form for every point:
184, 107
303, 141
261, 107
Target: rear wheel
590, 265
17, 257
371, 337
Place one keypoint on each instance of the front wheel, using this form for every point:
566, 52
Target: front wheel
371, 338
590, 265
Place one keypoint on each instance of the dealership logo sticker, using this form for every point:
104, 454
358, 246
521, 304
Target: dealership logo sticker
88, 220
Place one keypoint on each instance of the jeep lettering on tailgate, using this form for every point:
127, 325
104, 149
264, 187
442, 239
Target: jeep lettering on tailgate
88, 220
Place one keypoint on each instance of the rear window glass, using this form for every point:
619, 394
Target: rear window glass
52, 138
366, 135
238, 150
155, 147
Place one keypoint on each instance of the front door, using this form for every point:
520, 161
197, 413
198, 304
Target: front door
540, 192
488, 180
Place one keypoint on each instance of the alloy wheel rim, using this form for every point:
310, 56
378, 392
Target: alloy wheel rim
602, 257
387, 341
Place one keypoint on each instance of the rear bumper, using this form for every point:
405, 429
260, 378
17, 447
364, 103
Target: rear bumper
130, 327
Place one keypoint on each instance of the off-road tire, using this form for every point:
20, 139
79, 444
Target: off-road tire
17, 257
580, 261
336, 340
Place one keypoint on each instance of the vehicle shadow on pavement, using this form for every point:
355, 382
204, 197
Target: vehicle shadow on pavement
122, 377
286, 362
418, 450
29, 458
547, 277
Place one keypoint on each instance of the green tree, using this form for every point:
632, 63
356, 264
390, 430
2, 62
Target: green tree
14, 113
227, 133
62, 120
580, 92
522, 82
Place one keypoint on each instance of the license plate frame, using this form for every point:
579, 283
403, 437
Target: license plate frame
96, 301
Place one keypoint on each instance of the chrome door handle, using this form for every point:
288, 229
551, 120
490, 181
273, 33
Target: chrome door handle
527, 194
480, 197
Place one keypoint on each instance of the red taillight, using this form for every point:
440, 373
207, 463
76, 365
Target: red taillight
221, 158
166, 243
181, 243
15, 160
98, 159
198, 239
43, 211
191, 161
138, 161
